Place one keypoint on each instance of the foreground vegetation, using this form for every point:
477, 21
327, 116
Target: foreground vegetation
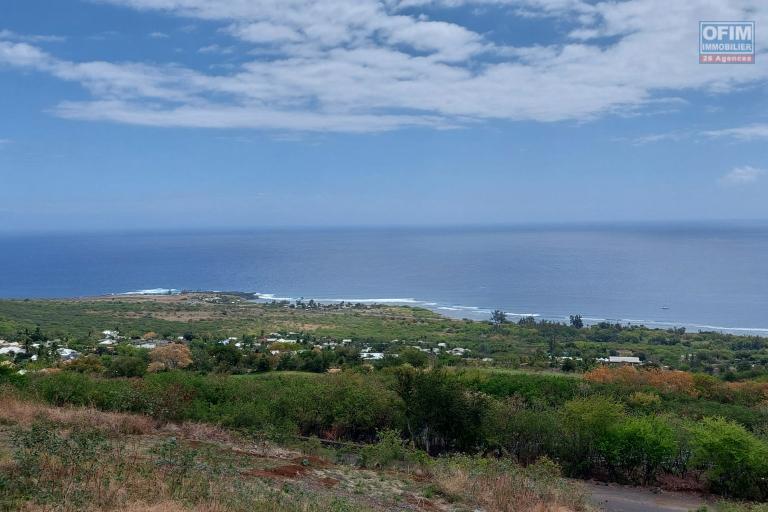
519, 395
606, 426
75, 459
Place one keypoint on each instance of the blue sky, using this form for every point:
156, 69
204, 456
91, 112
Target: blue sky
136, 114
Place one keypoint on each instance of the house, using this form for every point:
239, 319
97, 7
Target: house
374, 356
620, 360
67, 354
12, 349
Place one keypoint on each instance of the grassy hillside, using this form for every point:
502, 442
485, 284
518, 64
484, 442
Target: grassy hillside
76, 459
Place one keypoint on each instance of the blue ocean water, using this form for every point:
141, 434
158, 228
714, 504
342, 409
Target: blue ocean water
699, 276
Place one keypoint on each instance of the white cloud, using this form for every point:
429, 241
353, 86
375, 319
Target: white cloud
264, 32
158, 35
742, 176
30, 38
217, 49
749, 132
316, 65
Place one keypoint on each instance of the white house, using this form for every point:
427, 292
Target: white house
12, 349
67, 354
620, 360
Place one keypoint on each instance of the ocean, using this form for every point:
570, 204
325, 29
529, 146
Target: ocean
702, 277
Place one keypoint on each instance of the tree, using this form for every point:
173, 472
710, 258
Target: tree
170, 357
263, 364
439, 414
127, 366
226, 358
498, 317
576, 321
88, 364
414, 357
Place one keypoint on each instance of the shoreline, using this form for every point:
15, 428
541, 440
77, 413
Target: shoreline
453, 311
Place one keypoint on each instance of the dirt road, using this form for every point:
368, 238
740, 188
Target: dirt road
619, 498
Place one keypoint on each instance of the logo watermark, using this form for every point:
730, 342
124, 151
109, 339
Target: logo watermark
726, 42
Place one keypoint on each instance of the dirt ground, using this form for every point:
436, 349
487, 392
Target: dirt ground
621, 498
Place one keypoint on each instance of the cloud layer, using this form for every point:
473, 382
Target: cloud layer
372, 65
742, 176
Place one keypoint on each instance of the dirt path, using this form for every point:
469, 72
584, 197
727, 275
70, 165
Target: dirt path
619, 498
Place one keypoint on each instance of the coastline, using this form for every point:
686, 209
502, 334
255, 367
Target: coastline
461, 312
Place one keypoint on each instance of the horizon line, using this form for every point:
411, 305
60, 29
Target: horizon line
584, 224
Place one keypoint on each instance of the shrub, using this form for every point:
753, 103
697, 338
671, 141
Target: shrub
511, 429
389, 450
126, 366
665, 381
644, 400
544, 390
638, 447
440, 415
735, 461
88, 364
588, 424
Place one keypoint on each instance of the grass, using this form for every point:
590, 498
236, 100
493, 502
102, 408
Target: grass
81, 459
16, 411
500, 486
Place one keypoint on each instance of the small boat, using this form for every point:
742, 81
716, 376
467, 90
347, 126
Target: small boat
664, 307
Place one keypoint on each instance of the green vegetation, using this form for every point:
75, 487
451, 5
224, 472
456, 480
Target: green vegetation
596, 433
290, 372
75, 459
204, 319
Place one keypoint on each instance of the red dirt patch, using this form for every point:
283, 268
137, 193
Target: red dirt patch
329, 482
288, 471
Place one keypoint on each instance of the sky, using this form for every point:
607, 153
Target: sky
166, 114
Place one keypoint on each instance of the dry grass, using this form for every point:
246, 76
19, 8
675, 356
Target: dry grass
503, 488
54, 470
14, 410
125, 474
202, 432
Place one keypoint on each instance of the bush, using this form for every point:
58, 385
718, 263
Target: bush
542, 390
440, 415
511, 429
639, 447
735, 461
388, 451
588, 424
127, 366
